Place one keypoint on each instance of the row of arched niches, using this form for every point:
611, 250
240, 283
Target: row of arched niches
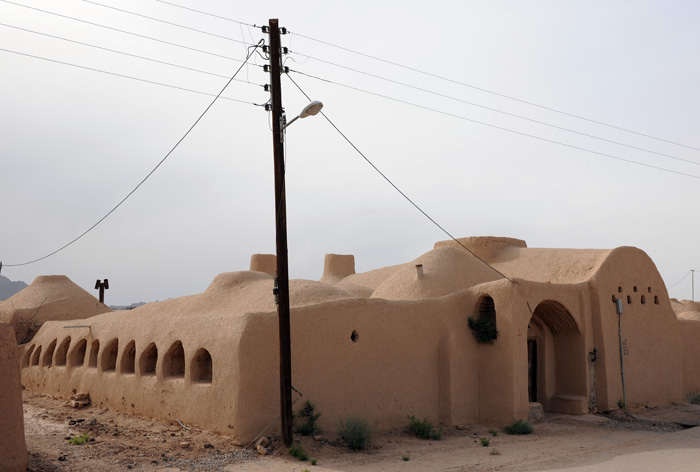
110, 359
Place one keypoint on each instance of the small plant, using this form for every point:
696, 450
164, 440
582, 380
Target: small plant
356, 432
309, 428
485, 442
313, 461
297, 451
493, 432
621, 404
423, 429
78, 440
693, 397
484, 330
405, 457
495, 452
519, 427
306, 470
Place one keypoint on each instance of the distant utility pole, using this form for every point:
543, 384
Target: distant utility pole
102, 286
692, 284
282, 280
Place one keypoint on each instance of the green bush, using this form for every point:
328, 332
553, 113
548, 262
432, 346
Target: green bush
313, 461
484, 330
621, 404
423, 429
405, 457
78, 440
485, 442
355, 432
519, 427
309, 428
297, 451
693, 397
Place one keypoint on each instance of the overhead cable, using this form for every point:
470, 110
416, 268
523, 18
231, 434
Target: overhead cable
126, 54
166, 22
496, 110
182, 46
684, 277
151, 172
207, 14
481, 89
442, 112
398, 189
123, 76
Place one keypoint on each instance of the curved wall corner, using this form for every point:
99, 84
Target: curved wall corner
13, 449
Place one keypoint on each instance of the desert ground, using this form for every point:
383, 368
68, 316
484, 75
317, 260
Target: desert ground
646, 439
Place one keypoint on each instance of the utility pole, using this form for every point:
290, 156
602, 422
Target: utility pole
692, 284
102, 286
282, 280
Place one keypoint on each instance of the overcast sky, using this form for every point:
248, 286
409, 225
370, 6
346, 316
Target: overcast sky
74, 142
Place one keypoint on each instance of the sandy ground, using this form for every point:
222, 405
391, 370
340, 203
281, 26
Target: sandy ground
650, 439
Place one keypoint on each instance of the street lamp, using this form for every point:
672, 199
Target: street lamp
311, 109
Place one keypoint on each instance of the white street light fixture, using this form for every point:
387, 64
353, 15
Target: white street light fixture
309, 110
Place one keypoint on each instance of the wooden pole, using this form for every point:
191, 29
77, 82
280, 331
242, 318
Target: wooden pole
281, 227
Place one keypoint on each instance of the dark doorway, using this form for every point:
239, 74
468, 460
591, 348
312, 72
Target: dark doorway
532, 370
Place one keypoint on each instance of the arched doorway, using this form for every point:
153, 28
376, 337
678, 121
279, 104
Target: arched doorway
556, 360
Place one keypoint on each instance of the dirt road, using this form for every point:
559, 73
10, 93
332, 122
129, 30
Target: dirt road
649, 440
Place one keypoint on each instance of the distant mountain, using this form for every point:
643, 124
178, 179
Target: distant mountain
9, 288
130, 307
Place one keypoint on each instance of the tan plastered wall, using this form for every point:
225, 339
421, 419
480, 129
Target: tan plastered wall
690, 336
13, 449
652, 352
177, 388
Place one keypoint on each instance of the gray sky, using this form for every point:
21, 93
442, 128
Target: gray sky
74, 142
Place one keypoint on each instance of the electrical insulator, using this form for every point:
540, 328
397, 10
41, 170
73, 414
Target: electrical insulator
266, 87
285, 50
285, 69
283, 30
266, 68
268, 107
275, 292
266, 48
265, 29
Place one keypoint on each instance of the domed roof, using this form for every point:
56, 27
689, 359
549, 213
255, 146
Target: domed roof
446, 269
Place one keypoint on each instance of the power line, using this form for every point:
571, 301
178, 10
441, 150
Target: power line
398, 189
123, 76
442, 112
207, 14
151, 172
481, 89
126, 53
123, 31
435, 76
508, 114
684, 277
166, 22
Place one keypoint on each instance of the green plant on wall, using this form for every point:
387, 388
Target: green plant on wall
484, 330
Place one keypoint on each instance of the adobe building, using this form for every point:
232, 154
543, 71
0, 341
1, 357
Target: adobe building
13, 449
390, 342
49, 297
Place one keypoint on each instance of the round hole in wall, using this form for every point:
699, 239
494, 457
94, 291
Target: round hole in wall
354, 336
